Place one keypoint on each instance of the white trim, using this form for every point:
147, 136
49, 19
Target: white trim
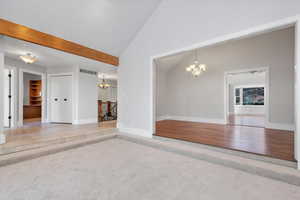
249, 86
86, 121
136, 132
152, 105
14, 103
75, 94
164, 117
21, 94
2, 138
279, 126
279, 24
193, 119
297, 93
74, 101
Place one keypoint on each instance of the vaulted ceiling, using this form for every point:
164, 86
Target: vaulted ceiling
105, 25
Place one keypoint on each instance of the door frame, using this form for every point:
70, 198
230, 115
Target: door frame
266, 92
21, 94
74, 102
14, 102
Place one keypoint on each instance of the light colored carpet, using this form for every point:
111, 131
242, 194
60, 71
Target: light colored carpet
118, 170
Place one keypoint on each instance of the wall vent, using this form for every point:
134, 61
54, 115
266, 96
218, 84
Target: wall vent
88, 72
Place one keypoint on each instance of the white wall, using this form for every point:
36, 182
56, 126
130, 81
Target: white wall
61, 69
2, 137
87, 98
203, 97
162, 100
175, 25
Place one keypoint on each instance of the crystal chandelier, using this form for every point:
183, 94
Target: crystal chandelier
196, 68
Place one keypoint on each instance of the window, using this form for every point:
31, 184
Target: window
253, 96
249, 96
237, 96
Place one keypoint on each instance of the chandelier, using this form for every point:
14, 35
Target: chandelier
196, 68
103, 84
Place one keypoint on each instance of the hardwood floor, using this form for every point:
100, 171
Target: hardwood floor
247, 120
273, 143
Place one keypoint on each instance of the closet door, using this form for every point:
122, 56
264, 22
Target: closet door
61, 99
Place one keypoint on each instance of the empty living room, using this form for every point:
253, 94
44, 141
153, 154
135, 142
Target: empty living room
149, 99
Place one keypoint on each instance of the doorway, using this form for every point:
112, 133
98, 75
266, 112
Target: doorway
247, 100
107, 98
31, 98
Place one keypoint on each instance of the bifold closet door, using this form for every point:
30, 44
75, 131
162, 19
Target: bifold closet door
61, 99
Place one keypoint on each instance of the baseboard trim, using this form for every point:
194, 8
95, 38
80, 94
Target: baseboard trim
193, 119
164, 117
19, 123
135, 131
2, 138
279, 126
86, 121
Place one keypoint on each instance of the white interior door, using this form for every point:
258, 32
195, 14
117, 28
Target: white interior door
61, 99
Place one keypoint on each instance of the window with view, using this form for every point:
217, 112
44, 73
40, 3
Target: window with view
250, 96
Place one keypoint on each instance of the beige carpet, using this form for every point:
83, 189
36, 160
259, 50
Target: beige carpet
118, 169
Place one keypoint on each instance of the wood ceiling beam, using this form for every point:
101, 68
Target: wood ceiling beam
31, 35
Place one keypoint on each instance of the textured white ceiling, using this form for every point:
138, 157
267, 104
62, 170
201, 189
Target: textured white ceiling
106, 25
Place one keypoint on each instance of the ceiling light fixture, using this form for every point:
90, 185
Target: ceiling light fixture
103, 84
196, 68
28, 58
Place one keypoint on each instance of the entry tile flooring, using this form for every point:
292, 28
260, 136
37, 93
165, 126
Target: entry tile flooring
34, 135
274, 143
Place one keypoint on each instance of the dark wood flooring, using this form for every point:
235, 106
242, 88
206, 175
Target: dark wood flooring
274, 143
